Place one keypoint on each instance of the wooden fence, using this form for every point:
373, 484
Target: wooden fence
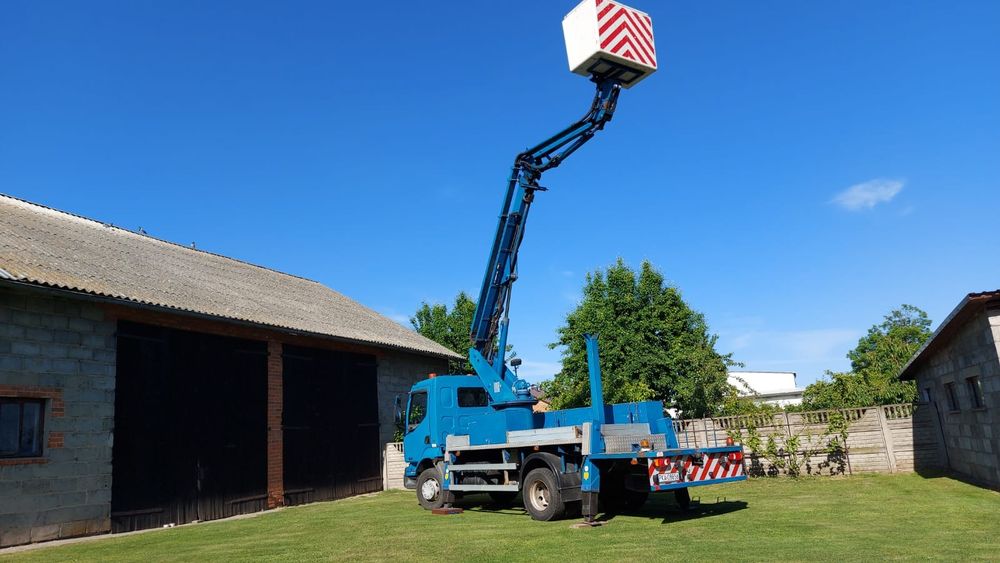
884, 439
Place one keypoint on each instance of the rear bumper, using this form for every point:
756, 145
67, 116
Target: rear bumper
718, 465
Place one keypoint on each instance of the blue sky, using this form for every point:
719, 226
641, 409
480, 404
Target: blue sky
796, 168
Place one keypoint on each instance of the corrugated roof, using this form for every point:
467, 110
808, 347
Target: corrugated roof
970, 305
43, 246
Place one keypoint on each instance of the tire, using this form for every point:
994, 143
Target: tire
430, 495
683, 498
542, 498
502, 498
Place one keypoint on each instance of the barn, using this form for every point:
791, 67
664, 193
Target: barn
145, 383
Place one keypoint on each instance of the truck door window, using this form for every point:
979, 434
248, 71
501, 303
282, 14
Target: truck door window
417, 411
472, 397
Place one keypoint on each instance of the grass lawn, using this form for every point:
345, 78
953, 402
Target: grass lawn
857, 518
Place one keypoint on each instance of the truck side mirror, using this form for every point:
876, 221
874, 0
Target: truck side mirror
398, 410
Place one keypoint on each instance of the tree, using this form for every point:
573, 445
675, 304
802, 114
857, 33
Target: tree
652, 345
448, 328
875, 365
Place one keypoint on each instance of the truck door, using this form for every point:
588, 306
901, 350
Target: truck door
418, 433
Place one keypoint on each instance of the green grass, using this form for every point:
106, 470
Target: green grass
858, 518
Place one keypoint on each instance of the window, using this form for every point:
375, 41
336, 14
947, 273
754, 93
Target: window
21, 427
925, 394
949, 389
975, 391
472, 397
417, 411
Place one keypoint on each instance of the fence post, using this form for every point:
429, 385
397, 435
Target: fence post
890, 455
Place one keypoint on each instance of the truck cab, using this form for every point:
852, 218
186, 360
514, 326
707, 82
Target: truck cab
439, 406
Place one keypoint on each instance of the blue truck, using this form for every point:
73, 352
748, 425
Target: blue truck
477, 433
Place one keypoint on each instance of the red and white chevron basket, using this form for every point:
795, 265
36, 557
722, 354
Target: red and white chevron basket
604, 29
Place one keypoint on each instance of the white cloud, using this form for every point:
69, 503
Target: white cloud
867, 195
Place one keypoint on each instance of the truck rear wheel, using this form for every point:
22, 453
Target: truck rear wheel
542, 498
430, 495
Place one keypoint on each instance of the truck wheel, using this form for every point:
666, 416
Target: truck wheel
683, 498
542, 498
502, 498
429, 492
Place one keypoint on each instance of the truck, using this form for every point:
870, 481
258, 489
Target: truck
478, 433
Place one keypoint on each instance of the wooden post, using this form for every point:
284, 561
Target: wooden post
890, 455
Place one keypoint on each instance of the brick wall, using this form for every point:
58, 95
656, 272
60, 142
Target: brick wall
63, 351
275, 434
397, 372
971, 436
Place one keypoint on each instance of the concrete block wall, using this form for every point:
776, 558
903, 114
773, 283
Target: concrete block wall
63, 351
971, 436
397, 372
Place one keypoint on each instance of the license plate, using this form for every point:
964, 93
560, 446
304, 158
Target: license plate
666, 478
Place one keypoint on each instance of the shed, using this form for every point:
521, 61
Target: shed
957, 372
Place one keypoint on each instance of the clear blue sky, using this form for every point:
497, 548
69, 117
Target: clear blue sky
796, 168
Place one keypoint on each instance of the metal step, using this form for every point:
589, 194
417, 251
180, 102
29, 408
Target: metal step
511, 488
483, 467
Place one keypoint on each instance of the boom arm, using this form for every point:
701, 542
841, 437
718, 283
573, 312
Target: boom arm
489, 325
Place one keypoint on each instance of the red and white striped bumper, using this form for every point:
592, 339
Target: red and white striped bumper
673, 472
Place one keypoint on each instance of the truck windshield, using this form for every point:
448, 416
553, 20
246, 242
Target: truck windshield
417, 411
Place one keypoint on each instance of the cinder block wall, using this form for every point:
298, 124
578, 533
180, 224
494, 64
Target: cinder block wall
62, 351
397, 372
971, 436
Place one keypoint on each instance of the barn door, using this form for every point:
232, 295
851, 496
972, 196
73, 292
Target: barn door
330, 422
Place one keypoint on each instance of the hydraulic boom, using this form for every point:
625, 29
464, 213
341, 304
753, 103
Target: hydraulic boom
490, 323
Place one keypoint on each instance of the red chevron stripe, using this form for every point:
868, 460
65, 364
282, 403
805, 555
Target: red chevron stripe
611, 21
627, 40
626, 29
643, 39
641, 27
645, 23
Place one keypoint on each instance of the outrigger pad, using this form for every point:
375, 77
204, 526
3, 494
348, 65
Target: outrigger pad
591, 524
447, 511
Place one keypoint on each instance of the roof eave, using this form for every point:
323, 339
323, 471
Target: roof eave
907, 373
98, 298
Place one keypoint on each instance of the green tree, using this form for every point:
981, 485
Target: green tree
875, 365
653, 345
450, 328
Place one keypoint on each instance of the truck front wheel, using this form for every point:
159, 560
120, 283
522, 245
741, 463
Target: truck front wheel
542, 498
429, 492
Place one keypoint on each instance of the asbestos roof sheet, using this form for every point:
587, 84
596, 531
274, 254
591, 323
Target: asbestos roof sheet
43, 246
